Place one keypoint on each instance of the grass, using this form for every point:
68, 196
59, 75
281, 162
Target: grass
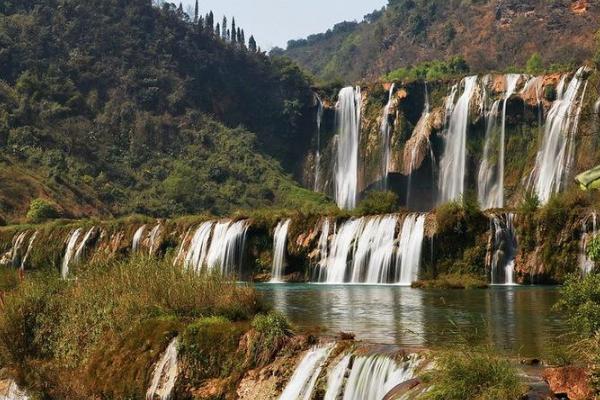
474, 374
453, 281
52, 330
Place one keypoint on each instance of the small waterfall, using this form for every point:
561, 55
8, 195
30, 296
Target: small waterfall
13, 392
487, 186
323, 251
137, 238
454, 162
335, 380
80, 253
504, 250
318, 155
69, 252
29, 249
165, 375
302, 382
15, 254
588, 233
386, 139
348, 115
227, 247
408, 258
372, 377
426, 106
154, 235
555, 154
196, 255
279, 247
367, 250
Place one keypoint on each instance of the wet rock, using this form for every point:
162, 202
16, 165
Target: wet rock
402, 389
570, 381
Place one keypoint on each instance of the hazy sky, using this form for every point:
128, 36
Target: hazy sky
274, 22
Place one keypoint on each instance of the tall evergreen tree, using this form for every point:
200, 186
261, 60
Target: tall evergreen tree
228, 35
196, 12
218, 30
252, 44
233, 31
224, 28
238, 36
200, 23
210, 22
243, 38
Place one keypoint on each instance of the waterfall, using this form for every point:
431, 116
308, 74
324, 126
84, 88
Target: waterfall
348, 110
13, 392
504, 249
279, 247
69, 252
28, 252
427, 106
553, 158
318, 155
154, 234
454, 161
80, 253
586, 264
487, 186
137, 238
372, 377
386, 139
366, 250
227, 247
323, 251
165, 375
335, 380
408, 258
302, 382
196, 256
13, 257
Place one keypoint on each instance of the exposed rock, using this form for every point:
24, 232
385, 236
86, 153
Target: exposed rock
418, 146
573, 381
580, 7
402, 389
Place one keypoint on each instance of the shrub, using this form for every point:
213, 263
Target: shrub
472, 374
271, 333
378, 203
534, 64
580, 301
42, 210
593, 249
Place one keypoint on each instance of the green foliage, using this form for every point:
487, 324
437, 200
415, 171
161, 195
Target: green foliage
550, 93
42, 210
272, 331
454, 281
597, 54
530, 203
433, 70
593, 249
474, 374
378, 202
535, 65
580, 301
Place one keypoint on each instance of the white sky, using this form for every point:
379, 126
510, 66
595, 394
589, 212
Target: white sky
274, 22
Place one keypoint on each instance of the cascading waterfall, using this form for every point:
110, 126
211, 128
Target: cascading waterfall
335, 380
318, 154
348, 116
386, 139
29, 248
323, 251
373, 377
454, 161
491, 178
504, 250
14, 256
137, 238
408, 258
216, 246
80, 253
165, 375
302, 382
588, 233
69, 252
554, 157
154, 235
367, 250
427, 106
279, 247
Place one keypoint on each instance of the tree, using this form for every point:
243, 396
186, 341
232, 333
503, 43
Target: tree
224, 28
41, 210
252, 44
210, 22
242, 38
535, 64
233, 31
196, 12
218, 30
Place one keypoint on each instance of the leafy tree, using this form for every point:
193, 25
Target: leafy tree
580, 300
535, 64
378, 203
42, 210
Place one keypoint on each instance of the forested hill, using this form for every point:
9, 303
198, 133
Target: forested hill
109, 107
489, 34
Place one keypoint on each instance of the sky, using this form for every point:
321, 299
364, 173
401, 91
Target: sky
274, 22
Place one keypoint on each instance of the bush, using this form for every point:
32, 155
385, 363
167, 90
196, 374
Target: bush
378, 203
472, 374
42, 210
580, 301
271, 333
534, 64
593, 249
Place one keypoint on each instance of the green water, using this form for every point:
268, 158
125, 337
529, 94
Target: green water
516, 320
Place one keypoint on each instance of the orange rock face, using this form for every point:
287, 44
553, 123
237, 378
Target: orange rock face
570, 380
580, 6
